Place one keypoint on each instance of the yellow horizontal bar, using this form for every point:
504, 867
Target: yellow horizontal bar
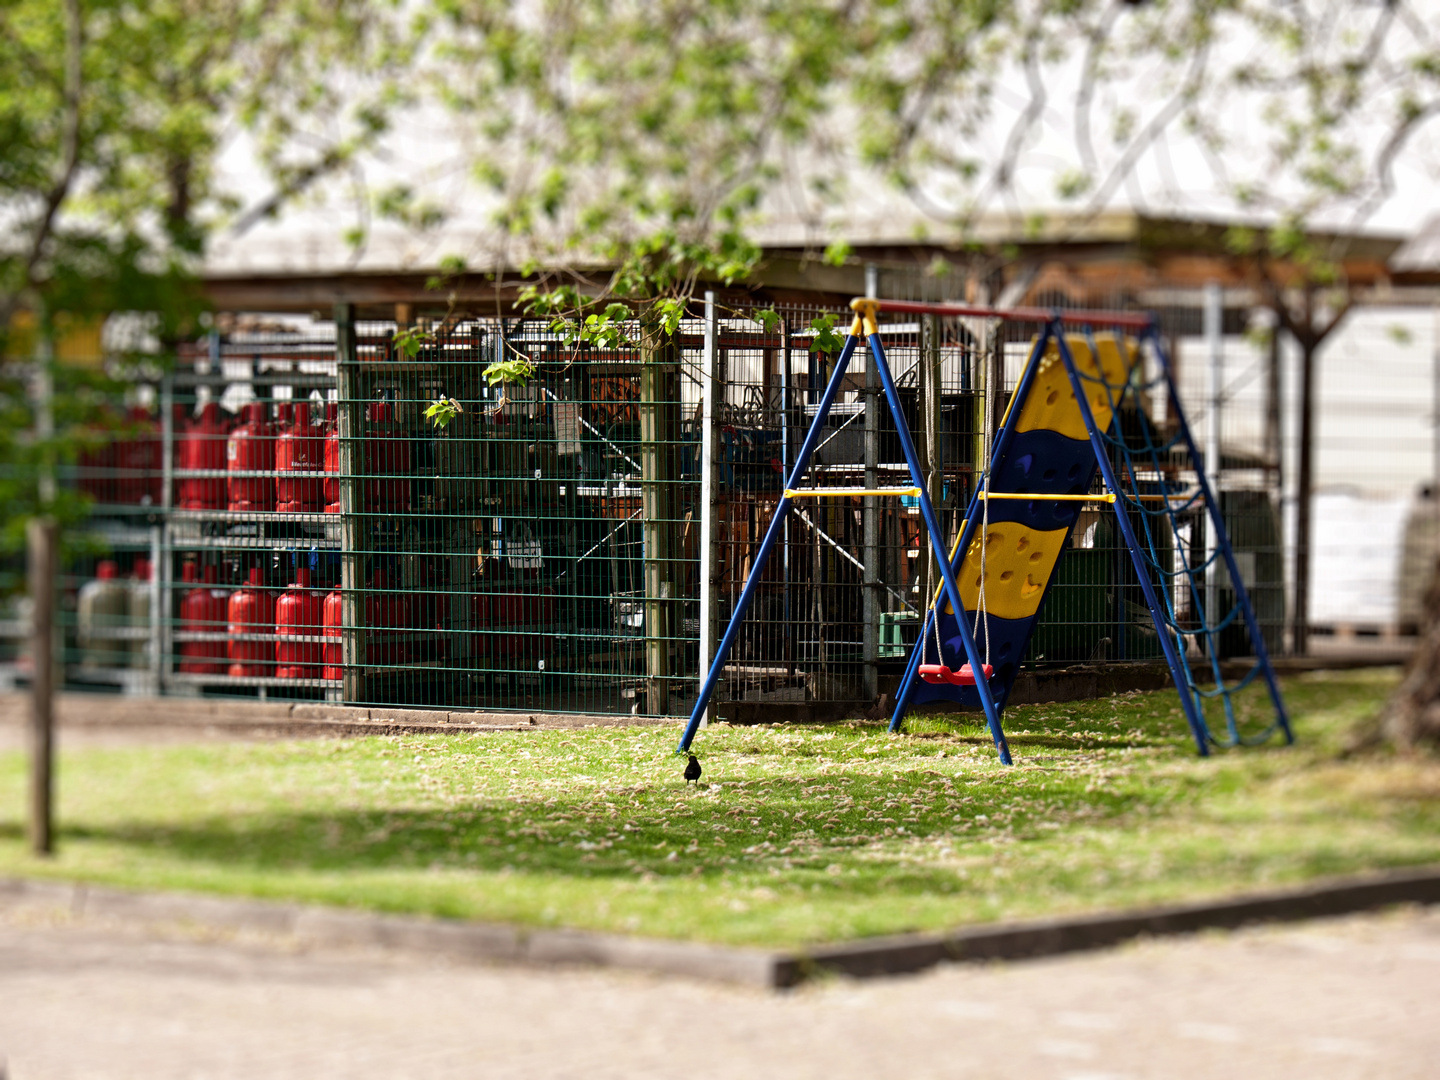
817, 493
1107, 497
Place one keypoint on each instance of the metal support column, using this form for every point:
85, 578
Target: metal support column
870, 575
932, 451
353, 540
1215, 348
709, 555
787, 399
993, 400
162, 603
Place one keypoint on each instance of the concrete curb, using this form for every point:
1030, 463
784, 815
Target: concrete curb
297, 720
308, 925
311, 926
1051, 937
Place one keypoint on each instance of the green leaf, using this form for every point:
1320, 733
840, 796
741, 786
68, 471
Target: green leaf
443, 410
516, 371
409, 340
826, 339
671, 311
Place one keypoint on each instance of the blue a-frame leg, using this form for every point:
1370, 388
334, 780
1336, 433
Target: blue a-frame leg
865, 328
973, 517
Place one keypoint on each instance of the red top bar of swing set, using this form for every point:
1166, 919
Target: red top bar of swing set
1075, 317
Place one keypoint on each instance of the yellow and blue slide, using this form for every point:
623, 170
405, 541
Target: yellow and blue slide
1037, 486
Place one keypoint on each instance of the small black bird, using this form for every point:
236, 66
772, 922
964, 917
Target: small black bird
692, 771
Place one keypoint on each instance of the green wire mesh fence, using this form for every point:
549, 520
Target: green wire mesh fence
283, 520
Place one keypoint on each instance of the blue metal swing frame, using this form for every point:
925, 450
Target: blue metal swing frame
1171, 635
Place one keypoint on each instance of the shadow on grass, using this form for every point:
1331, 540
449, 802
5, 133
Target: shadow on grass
421, 841
780, 825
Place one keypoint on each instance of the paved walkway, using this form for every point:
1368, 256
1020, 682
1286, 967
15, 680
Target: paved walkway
1349, 998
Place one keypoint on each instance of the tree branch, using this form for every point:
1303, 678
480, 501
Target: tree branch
1384, 168
1158, 123
295, 184
1085, 96
69, 158
1002, 176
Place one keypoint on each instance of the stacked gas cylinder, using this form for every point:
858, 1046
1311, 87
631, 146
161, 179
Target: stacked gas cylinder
114, 617
257, 630
265, 466
124, 468
287, 624
278, 466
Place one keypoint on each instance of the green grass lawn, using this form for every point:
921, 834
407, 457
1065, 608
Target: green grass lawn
800, 833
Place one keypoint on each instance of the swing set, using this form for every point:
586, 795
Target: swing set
1061, 426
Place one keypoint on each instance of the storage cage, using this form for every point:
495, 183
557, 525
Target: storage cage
283, 520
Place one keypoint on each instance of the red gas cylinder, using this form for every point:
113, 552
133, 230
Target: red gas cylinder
332, 458
515, 621
202, 611
95, 472
387, 620
251, 448
432, 611
298, 613
202, 446
251, 611
124, 468
298, 449
334, 622
387, 460
138, 461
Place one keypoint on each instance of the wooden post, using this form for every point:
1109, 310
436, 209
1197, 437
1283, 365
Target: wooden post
353, 546
659, 434
41, 536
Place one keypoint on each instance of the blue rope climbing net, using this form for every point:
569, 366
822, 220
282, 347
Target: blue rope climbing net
1139, 451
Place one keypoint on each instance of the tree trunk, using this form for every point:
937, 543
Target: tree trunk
1411, 718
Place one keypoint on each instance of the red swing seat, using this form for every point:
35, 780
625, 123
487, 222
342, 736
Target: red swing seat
939, 673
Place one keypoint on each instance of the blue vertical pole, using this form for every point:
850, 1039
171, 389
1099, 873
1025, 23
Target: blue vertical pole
772, 534
973, 517
942, 557
1262, 654
1178, 670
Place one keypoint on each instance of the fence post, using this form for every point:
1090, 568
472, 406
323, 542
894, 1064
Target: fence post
1215, 346
659, 430
932, 451
870, 575
709, 569
41, 535
350, 430
162, 602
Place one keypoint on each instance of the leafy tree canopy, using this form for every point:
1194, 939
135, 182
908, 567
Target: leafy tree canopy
112, 116
653, 138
